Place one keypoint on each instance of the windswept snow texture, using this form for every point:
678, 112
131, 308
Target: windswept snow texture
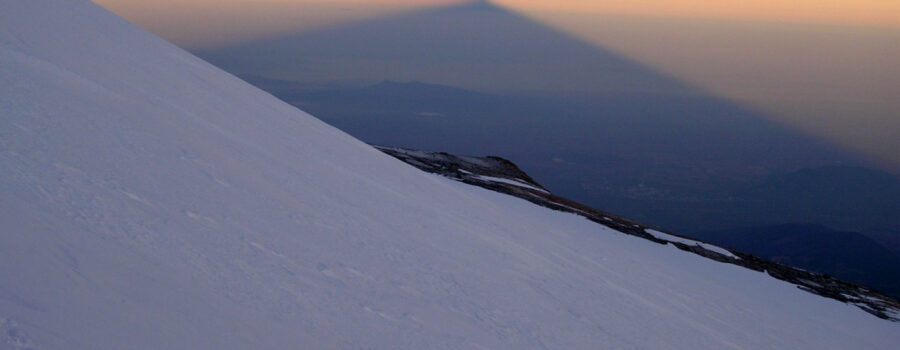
150, 201
488, 171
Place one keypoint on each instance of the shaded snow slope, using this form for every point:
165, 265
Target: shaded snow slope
151, 201
501, 175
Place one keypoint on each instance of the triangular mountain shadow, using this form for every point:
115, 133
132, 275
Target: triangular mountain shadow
639, 127
476, 45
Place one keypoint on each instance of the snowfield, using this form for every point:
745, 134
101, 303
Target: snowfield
149, 200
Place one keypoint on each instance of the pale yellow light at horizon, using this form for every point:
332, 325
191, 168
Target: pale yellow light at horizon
837, 81
881, 13
196, 24
826, 67
209, 23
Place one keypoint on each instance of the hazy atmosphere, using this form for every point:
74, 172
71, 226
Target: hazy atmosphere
448, 174
694, 116
825, 68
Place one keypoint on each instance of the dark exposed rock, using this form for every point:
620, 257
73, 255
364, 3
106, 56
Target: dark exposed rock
503, 176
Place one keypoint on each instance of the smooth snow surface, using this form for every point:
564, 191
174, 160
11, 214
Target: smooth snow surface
150, 201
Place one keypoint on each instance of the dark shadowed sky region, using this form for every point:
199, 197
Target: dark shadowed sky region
475, 46
824, 68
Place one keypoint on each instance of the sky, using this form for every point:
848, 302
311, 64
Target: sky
855, 12
197, 23
824, 67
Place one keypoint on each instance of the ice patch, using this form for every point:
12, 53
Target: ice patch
707, 246
510, 182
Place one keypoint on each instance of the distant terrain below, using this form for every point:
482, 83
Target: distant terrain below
846, 255
683, 163
591, 124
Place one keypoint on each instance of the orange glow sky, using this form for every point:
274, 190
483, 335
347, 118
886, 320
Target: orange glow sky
208, 23
205, 23
855, 12
825, 67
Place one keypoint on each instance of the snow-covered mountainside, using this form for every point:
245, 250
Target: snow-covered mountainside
501, 175
150, 201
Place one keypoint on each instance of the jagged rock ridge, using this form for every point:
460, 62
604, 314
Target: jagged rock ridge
504, 176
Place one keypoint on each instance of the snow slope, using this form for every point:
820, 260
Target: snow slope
150, 201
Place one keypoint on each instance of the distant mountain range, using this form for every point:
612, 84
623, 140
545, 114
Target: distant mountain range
150, 200
473, 45
840, 197
846, 255
588, 123
687, 174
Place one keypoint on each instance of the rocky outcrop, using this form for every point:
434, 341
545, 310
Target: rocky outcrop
501, 175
